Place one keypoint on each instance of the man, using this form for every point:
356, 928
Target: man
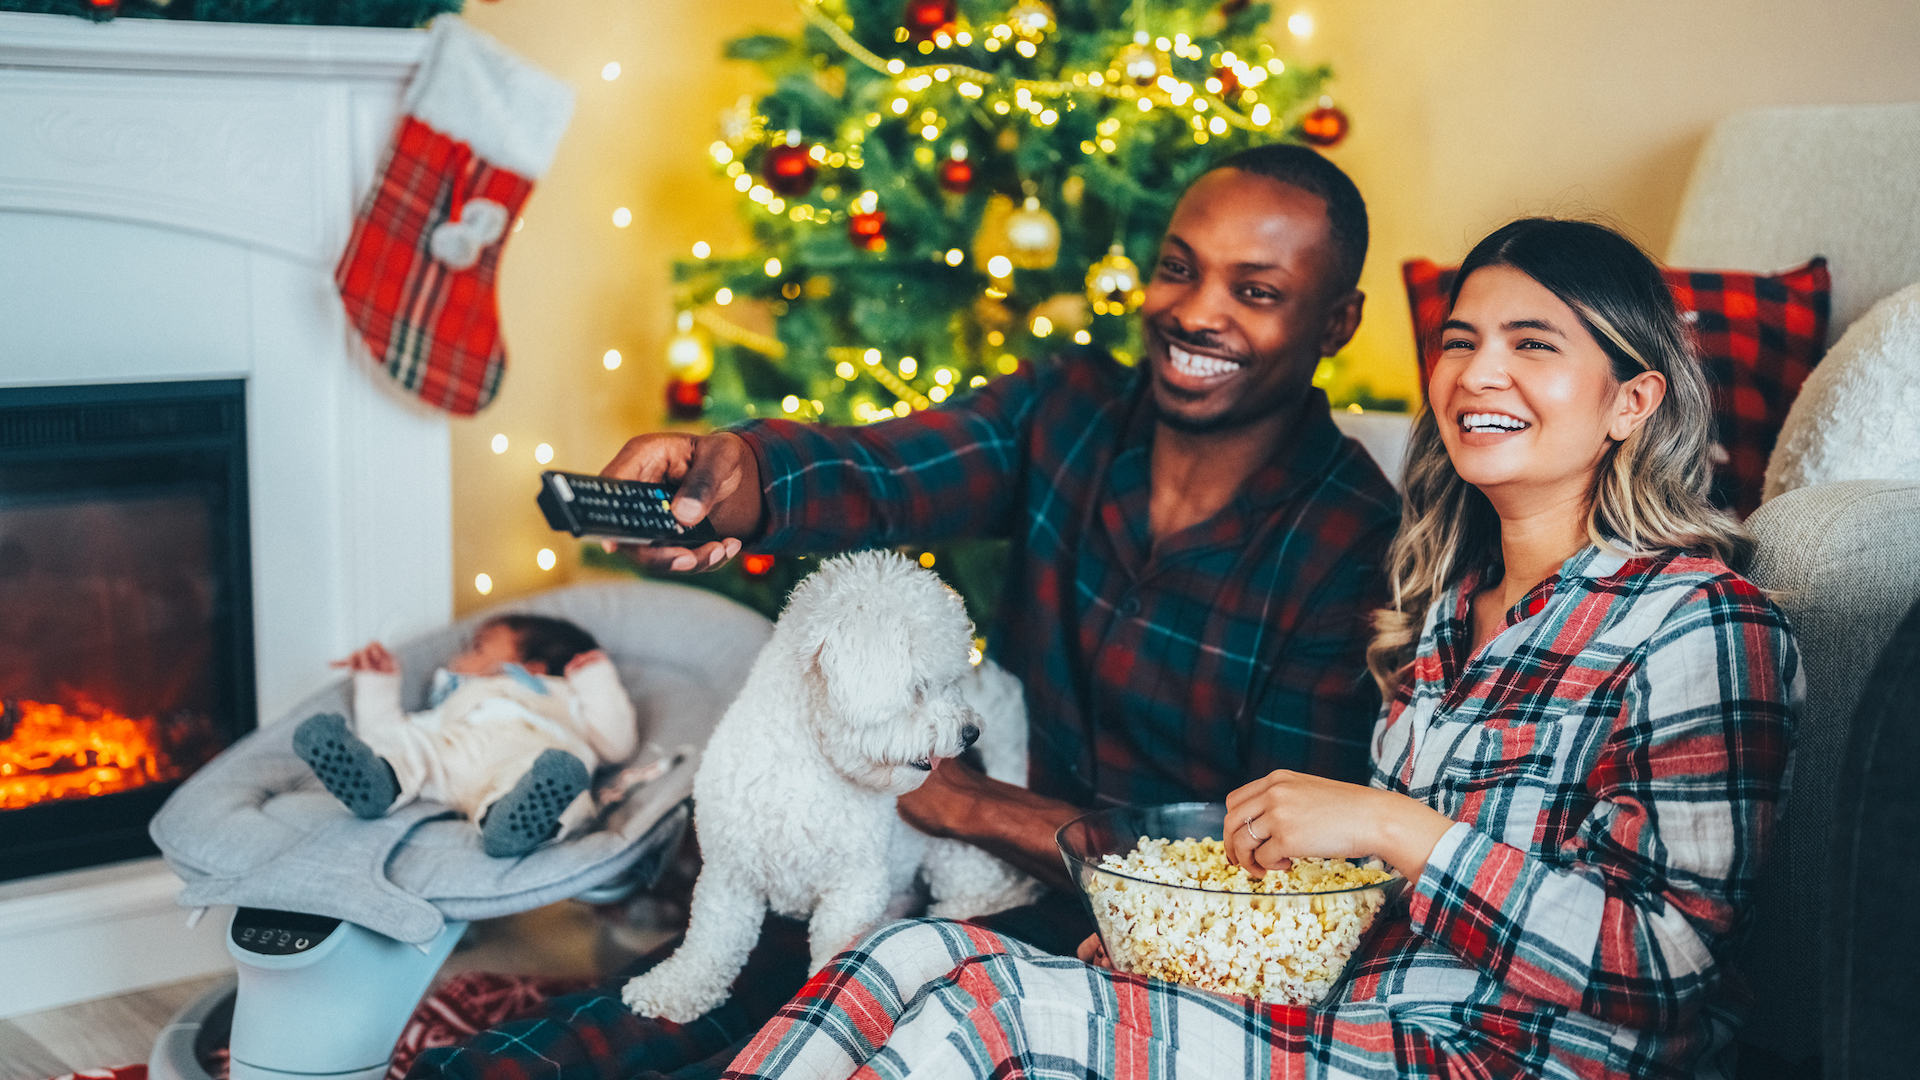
1196, 552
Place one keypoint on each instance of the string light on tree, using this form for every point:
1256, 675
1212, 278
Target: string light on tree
1017, 167
610, 359
482, 584
545, 559
499, 444
543, 454
611, 71
622, 217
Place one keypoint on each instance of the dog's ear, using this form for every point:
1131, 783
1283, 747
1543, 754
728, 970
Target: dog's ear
867, 665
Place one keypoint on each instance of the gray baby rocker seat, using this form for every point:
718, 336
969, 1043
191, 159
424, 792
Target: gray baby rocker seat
342, 922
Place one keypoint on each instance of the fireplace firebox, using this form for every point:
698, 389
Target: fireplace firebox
126, 626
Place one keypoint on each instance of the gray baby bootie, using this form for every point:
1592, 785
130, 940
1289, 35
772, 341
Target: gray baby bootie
527, 816
348, 767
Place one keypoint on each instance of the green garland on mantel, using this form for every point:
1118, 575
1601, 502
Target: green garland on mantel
300, 12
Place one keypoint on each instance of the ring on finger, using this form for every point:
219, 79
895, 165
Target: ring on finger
1256, 836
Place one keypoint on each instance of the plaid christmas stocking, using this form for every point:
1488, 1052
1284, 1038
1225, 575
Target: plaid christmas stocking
481, 126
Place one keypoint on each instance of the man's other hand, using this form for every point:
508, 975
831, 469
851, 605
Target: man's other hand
718, 479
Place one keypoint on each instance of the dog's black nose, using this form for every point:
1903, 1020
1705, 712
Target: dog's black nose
968, 736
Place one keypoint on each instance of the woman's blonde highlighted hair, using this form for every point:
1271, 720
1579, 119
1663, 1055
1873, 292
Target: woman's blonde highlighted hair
1650, 490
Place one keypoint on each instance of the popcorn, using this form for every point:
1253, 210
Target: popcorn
1274, 939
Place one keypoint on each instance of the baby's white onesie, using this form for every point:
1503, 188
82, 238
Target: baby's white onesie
483, 732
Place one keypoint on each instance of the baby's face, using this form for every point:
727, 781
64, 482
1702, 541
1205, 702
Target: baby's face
492, 646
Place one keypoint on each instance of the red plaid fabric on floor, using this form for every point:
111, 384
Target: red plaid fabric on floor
417, 277
468, 1004
1758, 337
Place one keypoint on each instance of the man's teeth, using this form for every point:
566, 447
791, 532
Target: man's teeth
1202, 367
1492, 422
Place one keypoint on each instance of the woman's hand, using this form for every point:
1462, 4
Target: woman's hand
1288, 813
1094, 951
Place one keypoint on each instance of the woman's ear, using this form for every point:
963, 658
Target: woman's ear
1635, 401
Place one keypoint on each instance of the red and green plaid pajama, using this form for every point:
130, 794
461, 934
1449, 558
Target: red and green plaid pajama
1614, 759
1155, 671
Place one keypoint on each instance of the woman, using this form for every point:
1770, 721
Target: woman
1578, 770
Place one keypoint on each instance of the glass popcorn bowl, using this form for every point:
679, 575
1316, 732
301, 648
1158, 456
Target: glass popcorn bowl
1284, 940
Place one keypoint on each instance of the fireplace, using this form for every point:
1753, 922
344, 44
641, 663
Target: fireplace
126, 635
173, 199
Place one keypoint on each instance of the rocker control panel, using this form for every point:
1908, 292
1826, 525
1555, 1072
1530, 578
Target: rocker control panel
279, 933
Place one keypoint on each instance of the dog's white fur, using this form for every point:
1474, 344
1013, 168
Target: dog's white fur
866, 679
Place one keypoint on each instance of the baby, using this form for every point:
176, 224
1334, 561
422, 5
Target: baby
503, 739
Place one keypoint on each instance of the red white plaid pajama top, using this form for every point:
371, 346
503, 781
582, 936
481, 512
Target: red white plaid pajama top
1614, 758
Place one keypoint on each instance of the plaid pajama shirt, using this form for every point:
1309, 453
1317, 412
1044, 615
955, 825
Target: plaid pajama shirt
1154, 672
1613, 760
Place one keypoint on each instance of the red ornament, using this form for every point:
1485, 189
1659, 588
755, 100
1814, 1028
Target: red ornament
686, 400
956, 176
868, 231
925, 18
789, 170
1324, 126
756, 565
1229, 82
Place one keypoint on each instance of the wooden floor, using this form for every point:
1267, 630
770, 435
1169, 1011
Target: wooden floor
561, 939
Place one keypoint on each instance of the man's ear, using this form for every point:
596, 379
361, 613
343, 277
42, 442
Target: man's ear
1343, 320
1636, 400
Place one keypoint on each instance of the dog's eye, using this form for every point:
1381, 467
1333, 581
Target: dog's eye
923, 765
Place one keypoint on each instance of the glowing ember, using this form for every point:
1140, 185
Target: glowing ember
49, 753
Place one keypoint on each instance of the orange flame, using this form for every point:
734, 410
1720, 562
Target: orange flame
54, 754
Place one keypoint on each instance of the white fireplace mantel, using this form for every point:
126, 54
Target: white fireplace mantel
173, 199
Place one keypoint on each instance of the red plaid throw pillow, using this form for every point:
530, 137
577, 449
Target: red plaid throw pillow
1758, 336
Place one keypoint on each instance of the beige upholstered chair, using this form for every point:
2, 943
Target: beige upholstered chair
1772, 188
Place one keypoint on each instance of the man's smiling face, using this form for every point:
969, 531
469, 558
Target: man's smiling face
1243, 303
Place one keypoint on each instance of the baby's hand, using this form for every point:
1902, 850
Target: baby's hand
591, 656
374, 657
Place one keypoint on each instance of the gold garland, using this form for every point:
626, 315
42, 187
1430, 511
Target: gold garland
877, 370
727, 330
1052, 88
774, 349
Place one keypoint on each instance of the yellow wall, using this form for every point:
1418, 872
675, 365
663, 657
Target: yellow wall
572, 285
1466, 113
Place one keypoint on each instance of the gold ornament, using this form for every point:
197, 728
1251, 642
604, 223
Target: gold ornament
1030, 19
1139, 63
1064, 312
1033, 237
689, 357
1113, 284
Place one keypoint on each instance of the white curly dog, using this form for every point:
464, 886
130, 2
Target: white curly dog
866, 680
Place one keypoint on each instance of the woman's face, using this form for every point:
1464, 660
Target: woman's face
1525, 398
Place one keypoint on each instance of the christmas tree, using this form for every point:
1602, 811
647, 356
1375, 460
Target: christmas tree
937, 189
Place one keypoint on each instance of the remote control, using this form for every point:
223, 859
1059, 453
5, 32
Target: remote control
631, 510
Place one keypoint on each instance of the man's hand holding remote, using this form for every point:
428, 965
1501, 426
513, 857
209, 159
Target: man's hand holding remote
719, 480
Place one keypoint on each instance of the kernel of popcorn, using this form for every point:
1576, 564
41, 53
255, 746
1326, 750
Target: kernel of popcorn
1242, 938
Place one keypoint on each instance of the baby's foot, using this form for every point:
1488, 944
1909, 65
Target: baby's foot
349, 768
527, 816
